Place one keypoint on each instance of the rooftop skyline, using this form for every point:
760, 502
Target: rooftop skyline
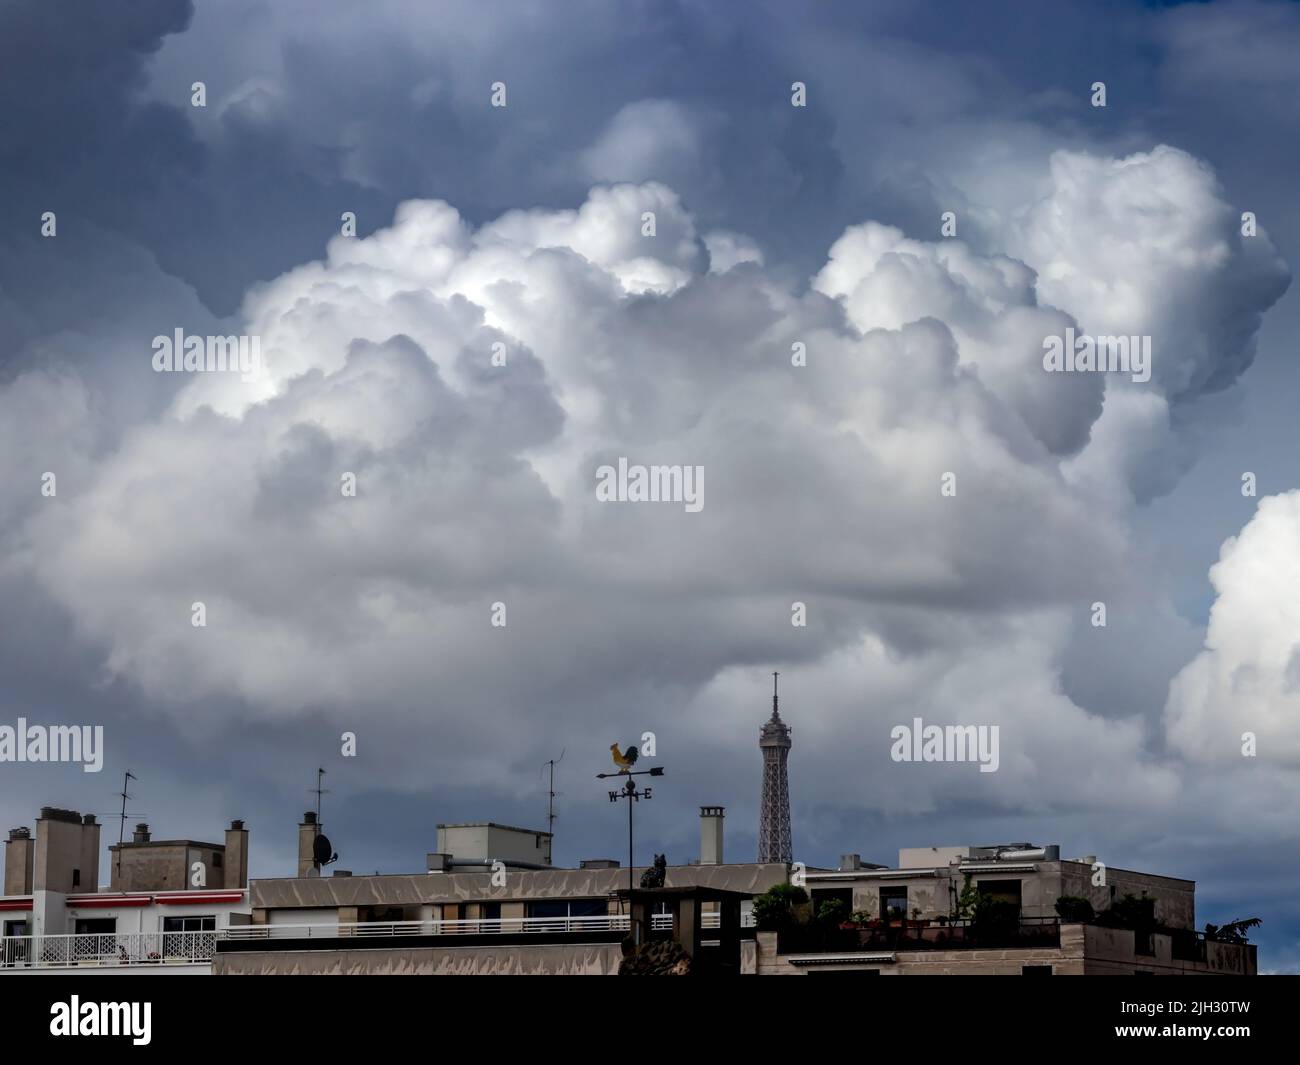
586, 363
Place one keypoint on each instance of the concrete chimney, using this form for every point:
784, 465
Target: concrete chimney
141, 833
89, 853
67, 852
20, 853
308, 830
711, 835
236, 856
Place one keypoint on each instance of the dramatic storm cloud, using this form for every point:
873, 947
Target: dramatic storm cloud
476, 481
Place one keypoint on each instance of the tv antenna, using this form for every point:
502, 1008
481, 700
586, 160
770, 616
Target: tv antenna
322, 852
551, 793
121, 832
318, 791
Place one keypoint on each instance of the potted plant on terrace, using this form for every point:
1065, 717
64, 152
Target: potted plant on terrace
775, 909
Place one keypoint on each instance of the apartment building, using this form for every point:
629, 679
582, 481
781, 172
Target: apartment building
484, 904
927, 883
165, 906
904, 920
490, 901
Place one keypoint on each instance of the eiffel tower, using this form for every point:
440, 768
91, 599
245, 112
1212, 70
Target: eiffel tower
774, 811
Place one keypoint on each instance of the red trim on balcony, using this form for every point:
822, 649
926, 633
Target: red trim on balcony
178, 898
199, 898
106, 902
15, 904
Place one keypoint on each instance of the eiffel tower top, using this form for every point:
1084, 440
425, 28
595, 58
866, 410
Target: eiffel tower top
776, 733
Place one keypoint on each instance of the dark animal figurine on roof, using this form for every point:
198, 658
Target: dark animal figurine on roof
654, 876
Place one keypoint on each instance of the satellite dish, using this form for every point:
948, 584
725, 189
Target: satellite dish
321, 851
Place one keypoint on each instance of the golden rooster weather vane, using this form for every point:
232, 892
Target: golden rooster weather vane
625, 760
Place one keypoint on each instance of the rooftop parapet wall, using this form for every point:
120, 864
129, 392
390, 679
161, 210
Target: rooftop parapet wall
428, 888
552, 960
1175, 898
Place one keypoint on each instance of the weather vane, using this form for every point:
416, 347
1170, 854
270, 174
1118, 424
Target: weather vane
625, 760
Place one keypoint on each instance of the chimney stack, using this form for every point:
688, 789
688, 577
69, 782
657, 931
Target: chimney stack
89, 853
711, 835
141, 833
67, 852
236, 856
20, 855
308, 830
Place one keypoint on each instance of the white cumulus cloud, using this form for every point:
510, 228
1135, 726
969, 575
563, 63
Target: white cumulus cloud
1247, 679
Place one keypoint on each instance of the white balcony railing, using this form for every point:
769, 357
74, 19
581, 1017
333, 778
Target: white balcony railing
188, 948
472, 926
469, 926
125, 948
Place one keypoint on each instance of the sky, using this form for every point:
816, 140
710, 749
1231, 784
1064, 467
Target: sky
861, 382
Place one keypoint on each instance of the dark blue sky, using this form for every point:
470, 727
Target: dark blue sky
476, 487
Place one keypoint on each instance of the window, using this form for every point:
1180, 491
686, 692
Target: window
893, 903
1035, 970
843, 972
189, 924
216, 859
569, 908
1001, 890
95, 926
76, 878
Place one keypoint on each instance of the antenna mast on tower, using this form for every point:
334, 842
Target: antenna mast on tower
121, 832
319, 790
550, 801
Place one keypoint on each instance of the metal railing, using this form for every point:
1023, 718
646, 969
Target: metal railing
110, 948
1028, 932
189, 948
464, 926
438, 927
